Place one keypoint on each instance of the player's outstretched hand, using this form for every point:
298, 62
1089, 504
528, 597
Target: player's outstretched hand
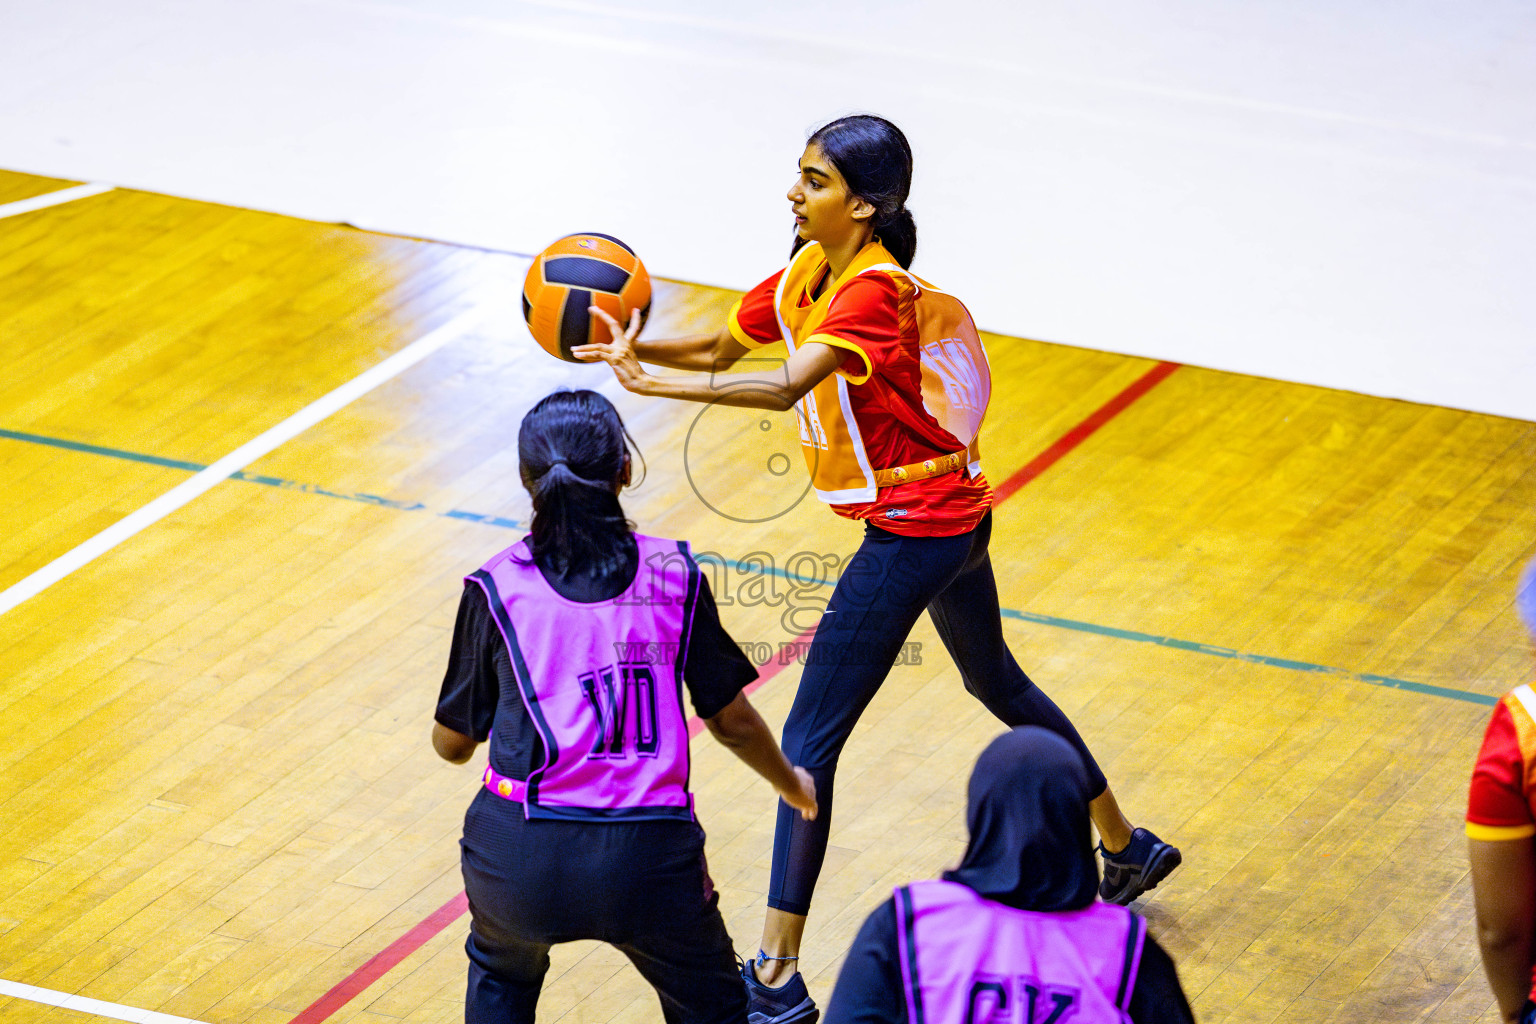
618, 353
803, 798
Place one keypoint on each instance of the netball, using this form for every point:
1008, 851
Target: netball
574, 273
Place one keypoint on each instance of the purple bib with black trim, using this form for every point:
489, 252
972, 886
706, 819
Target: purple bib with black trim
603, 685
968, 960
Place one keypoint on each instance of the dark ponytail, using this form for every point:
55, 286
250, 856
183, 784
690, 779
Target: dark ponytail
899, 236
573, 452
874, 158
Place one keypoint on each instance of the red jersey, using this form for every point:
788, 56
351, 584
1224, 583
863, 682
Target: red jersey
870, 414
1501, 803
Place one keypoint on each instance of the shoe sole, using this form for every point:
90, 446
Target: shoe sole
1158, 868
805, 1012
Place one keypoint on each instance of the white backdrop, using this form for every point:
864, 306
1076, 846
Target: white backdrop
1339, 193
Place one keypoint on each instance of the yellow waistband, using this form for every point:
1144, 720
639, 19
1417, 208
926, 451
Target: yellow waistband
920, 470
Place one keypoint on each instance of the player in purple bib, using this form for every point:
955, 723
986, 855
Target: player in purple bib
615, 736
1014, 934
572, 653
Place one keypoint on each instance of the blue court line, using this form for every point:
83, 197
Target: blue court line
476, 517
1075, 625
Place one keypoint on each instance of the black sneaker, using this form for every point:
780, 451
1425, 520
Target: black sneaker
790, 1003
1145, 861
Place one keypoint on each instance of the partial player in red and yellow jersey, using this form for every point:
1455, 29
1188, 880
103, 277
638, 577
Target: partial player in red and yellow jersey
1501, 821
888, 380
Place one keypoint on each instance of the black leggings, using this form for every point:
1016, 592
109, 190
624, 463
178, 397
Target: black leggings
887, 584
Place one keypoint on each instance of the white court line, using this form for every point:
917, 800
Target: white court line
235, 461
47, 199
64, 1000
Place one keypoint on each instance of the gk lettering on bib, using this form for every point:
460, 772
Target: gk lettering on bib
969, 960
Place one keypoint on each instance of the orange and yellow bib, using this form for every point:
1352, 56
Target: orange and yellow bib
956, 380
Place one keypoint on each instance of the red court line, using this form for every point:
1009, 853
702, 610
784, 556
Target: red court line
1080, 433
449, 912
381, 964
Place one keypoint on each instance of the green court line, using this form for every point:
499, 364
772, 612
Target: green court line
1255, 659
294, 485
1053, 621
197, 467
1182, 645
96, 449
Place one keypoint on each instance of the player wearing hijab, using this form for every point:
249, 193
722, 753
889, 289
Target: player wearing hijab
571, 654
1501, 821
1013, 933
847, 310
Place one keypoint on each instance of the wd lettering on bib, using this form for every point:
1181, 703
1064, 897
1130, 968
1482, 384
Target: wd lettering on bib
611, 706
603, 685
969, 960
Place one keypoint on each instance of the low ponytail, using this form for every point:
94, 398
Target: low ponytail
899, 237
573, 454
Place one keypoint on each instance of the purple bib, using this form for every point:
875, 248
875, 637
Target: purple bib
603, 685
968, 960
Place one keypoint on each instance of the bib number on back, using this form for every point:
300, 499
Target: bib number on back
611, 691
1018, 1000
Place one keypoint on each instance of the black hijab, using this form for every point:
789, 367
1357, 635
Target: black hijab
1028, 818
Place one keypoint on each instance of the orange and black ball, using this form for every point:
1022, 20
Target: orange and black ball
576, 272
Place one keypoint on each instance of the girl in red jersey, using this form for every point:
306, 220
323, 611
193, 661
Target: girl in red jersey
1501, 821
846, 310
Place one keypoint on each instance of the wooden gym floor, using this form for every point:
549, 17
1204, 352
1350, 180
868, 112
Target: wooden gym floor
1278, 613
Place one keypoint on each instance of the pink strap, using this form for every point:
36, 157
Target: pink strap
508, 789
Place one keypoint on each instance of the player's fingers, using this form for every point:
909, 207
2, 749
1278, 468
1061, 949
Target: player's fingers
591, 353
806, 805
634, 325
613, 325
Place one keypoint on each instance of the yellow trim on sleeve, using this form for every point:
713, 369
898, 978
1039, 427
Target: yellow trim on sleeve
738, 333
844, 343
1497, 832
